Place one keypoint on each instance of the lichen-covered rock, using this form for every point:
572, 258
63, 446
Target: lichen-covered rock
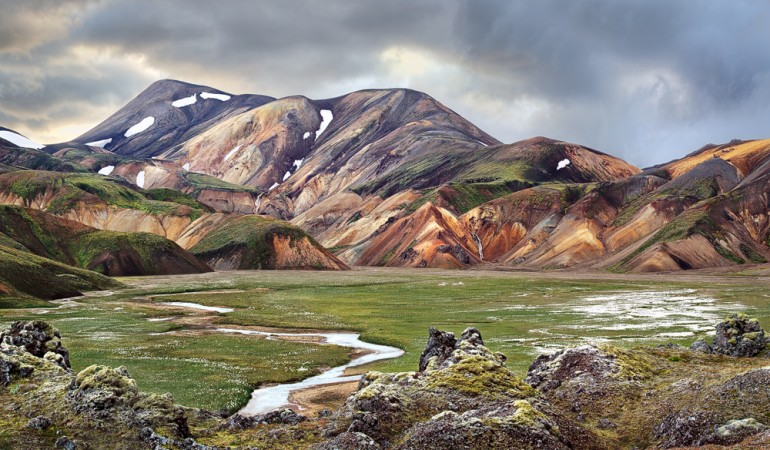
97, 388
65, 443
348, 441
587, 366
17, 362
735, 431
514, 425
441, 344
38, 338
460, 375
685, 428
283, 416
39, 423
738, 336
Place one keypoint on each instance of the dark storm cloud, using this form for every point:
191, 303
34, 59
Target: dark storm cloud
646, 80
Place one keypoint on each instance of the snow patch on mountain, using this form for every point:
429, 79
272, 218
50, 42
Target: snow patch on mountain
297, 163
562, 164
326, 118
21, 141
275, 185
286, 175
106, 170
140, 179
482, 143
306, 135
187, 101
186, 167
220, 97
99, 144
141, 126
232, 152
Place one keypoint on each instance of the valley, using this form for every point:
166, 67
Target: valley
178, 350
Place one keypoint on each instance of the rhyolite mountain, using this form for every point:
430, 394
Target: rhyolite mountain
393, 177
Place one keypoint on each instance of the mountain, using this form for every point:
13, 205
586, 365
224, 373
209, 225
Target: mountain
387, 177
165, 114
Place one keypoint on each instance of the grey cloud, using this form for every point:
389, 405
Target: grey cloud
646, 80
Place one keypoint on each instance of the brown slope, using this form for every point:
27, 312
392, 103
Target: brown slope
502, 223
430, 237
228, 242
746, 156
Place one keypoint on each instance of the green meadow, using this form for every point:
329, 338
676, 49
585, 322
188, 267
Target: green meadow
520, 314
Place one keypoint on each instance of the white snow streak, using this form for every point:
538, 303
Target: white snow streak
275, 185
306, 135
286, 175
326, 118
186, 167
19, 140
220, 97
106, 170
562, 164
187, 101
297, 163
232, 152
99, 144
257, 202
140, 179
141, 126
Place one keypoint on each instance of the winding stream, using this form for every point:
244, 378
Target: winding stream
273, 397
269, 398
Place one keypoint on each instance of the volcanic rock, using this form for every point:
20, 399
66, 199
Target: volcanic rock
462, 389
38, 338
737, 336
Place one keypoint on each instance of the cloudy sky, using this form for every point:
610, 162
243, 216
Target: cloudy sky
647, 80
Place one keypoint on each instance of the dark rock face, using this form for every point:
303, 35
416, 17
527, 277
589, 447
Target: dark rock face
65, 443
441, 344
38, 338
349, 441
736, 336
39, 423
284, 416
684, 428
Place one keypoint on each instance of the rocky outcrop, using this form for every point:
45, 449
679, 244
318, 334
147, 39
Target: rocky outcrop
463, 397
99, 406
38, 338
283, 416
584, 398
738, 336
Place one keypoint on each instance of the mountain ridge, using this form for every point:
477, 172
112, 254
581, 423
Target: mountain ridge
366, 171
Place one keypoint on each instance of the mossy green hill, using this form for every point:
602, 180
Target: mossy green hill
107, 252
25, 276
261, 242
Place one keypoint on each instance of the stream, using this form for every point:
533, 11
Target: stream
273, 397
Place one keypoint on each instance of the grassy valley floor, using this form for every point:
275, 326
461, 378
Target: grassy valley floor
169, 349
